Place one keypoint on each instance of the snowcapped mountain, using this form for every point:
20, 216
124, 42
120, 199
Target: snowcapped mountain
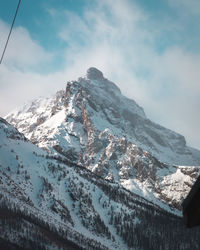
93, 125
90, 114
51, 203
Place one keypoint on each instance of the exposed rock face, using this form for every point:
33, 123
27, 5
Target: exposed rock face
94, 74
94, 125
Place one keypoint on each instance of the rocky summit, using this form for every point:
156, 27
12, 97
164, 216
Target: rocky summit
94, 74
88, 161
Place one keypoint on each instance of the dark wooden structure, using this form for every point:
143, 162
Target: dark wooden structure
191, 206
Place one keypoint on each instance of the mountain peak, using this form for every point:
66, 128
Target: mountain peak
94, 74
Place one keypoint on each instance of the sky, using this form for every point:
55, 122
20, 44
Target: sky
150, 49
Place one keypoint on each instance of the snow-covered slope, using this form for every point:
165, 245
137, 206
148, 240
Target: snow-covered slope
49, 203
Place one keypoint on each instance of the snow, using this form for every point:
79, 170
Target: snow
140, 189
55, 121
103, 214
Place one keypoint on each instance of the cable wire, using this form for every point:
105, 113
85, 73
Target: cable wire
10, 32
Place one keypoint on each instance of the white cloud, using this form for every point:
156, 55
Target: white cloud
22, 51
